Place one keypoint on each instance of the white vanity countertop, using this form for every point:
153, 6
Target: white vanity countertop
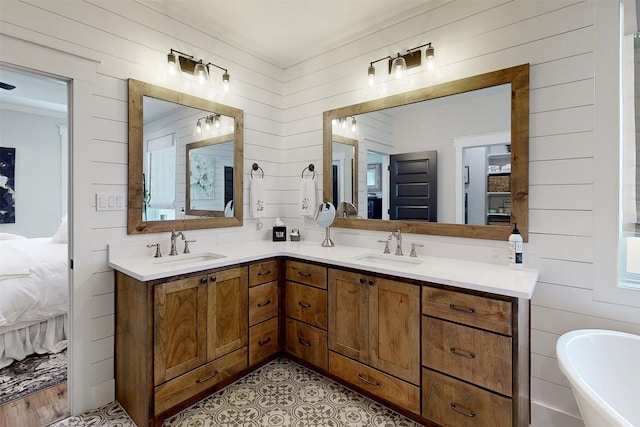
493, 278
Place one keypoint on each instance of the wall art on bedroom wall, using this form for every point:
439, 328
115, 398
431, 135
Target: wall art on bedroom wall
7, 185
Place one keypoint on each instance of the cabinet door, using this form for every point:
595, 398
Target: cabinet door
227, 326
394, 328
180, 310
348, 314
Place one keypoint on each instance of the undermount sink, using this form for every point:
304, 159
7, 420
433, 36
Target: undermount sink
188, 258
393, 260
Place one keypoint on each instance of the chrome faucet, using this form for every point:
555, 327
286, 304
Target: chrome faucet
398, 237
174, 236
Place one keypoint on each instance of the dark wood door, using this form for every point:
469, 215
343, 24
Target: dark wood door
413, 186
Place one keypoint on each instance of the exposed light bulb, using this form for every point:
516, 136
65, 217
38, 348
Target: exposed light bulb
354, 126
216, 121
199, 127
343, 123
371, 72
172, 64
200, 71
431, 58
207, 124
398, 66
226, 81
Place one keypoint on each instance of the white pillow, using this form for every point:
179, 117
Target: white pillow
9, 236
62, 235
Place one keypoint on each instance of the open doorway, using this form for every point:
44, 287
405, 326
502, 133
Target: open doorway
34, 248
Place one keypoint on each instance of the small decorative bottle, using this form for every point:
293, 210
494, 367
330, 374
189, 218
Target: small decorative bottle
515, 248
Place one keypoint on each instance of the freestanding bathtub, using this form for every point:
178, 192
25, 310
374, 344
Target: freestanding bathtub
603, 368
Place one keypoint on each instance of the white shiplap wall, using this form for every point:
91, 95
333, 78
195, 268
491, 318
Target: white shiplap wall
283, 133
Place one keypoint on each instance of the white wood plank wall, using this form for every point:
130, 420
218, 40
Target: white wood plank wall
283, 133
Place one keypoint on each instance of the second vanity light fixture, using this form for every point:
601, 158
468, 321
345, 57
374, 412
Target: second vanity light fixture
182, 62
343, 122
401, 63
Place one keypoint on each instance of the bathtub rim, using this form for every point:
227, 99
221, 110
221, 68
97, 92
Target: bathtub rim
578, 384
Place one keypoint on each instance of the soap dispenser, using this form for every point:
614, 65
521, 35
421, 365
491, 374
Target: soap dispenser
515, 248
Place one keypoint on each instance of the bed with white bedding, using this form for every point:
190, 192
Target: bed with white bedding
34, 297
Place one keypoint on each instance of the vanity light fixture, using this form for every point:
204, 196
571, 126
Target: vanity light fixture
181, 62
401, 63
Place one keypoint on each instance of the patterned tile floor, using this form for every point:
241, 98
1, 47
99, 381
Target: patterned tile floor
281, 393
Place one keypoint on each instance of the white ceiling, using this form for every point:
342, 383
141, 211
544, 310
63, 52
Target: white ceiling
287, 32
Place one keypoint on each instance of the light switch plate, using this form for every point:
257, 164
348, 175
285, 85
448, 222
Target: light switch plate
109, 202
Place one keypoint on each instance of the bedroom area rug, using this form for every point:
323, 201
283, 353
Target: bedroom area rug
31, 375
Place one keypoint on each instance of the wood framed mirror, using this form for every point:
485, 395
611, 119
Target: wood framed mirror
503, 92
164, 126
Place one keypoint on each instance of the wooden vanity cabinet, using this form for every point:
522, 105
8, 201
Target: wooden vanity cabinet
475, 359
306, 311
179, 338
264, 303
374, 322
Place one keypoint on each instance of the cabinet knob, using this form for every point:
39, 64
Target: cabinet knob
362, 280
372, 282
213, 278
203, 280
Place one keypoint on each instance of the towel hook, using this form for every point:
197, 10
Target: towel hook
255, 167
311, 168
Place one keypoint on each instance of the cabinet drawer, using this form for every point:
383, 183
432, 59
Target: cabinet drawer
473, 355
309, 274
263, 302
481, 312
263, 340
307, 343
185, 386
263, 272
307, 304
374, 381
450, 402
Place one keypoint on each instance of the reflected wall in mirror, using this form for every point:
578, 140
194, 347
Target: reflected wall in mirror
164, 127
454, 121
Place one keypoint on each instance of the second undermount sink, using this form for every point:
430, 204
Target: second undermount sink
188, 258
388, 259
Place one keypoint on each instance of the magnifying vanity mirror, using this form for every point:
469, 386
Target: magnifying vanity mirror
185, 161
450, 159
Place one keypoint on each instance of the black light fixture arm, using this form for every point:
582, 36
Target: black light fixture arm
217, 66
418, 47
186, 55
378, 60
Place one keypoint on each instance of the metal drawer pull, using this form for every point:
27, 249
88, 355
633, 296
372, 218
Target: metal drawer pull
265, 341
215, 374
304, 343
462, 353
303, 304
302, 273
373, 383
262, 304
469, 414
264, 273
463, 309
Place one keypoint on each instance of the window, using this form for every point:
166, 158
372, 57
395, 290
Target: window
629, 227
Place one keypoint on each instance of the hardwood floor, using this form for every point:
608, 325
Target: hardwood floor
38, 409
